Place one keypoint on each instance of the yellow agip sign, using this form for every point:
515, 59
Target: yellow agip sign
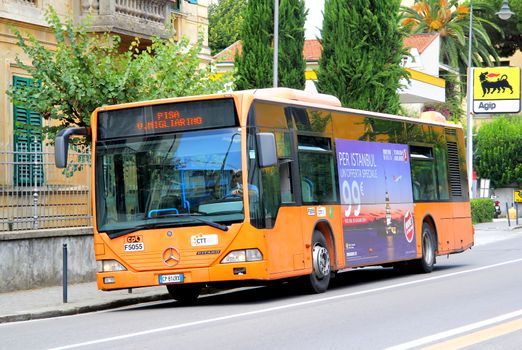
496, 90
517, 194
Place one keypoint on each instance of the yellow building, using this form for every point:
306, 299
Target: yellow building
33, 194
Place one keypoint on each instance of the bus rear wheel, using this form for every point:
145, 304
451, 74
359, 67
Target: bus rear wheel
185, 293
319, 279
427, 261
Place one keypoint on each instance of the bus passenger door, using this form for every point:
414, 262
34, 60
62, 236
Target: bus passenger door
285, 240
277, 212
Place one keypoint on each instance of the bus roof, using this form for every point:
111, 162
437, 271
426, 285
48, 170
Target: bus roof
293, 96
328, 101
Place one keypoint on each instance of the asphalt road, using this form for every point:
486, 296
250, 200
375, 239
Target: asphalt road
471, 300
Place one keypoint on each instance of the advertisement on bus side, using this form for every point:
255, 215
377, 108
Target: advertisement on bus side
377, 201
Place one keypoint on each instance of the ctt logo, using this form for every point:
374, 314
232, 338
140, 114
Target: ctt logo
488, 106
204, 240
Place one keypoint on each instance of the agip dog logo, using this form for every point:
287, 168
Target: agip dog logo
492, 86
496, 90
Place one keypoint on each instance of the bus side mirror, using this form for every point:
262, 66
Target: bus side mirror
266, 147
61, 144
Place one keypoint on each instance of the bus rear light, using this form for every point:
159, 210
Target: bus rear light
109, 266
243, 255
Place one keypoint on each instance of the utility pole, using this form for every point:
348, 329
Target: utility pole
276, 39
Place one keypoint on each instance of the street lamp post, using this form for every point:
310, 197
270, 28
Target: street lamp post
276, 40
504, 13
469, 139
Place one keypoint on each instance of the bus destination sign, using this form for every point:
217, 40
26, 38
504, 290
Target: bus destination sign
171, 119
166, 118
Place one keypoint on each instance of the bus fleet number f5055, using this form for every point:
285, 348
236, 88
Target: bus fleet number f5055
134, 247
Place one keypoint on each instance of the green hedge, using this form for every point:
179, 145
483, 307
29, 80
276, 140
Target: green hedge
482, 210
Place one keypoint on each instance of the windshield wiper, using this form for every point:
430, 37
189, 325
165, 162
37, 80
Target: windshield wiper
125, 231
117, 233
197, 218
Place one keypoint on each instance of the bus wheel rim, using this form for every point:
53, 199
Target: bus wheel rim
321, 261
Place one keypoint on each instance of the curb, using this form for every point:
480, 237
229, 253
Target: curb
504, 228
83, 308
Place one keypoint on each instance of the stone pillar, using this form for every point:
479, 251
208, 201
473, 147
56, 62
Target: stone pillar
107, 7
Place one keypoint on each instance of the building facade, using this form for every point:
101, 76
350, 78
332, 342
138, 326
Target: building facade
423, 66
33, 194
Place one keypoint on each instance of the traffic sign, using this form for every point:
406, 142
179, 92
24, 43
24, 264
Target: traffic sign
496, 90
518, 196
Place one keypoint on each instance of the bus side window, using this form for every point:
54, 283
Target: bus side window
423, 175
287, 195
416, 190
284, 155
316, 167
442, 173
307, 189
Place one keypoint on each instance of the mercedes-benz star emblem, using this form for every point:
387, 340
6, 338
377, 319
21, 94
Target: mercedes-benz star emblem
171, 256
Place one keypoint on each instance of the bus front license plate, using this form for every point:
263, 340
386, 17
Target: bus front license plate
166, 279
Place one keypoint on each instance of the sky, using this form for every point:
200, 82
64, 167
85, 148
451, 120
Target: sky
314, 20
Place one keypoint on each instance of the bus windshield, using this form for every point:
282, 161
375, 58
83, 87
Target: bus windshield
169, 180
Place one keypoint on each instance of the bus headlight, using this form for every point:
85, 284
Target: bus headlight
109, 266
243, 255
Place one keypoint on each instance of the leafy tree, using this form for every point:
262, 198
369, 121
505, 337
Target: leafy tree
510, 40
225, 18
497, 151
255, 64
85, 71
362, 50
292, 65
451, 20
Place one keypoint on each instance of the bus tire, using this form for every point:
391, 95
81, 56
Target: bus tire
186, 294
427, 261
319, 279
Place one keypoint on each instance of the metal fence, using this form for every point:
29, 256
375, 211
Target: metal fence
34, 194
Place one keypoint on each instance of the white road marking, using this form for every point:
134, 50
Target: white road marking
283, 307
456, 331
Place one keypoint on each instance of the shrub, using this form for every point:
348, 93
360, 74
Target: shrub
482, 210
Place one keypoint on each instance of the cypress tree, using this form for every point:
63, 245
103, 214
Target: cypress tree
255, 64
292, 65
225, 18
362, 50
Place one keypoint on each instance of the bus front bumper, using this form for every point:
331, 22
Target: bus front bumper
218, 273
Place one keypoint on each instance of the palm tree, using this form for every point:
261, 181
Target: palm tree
451, 20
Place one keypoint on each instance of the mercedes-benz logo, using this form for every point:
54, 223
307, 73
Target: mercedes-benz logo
171, 256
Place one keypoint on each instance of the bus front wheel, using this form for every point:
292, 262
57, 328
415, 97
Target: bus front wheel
185, 293
319, 279
427, 261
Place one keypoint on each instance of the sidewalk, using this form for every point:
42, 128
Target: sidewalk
85, 297
497, 230
82, 297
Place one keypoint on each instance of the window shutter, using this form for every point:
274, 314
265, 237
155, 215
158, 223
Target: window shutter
28, 152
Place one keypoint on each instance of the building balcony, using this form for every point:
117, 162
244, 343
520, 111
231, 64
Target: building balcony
132, 18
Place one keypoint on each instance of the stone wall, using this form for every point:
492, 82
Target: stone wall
34, 259
503, 195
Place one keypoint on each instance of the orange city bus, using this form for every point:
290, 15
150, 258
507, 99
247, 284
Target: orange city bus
268, 184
